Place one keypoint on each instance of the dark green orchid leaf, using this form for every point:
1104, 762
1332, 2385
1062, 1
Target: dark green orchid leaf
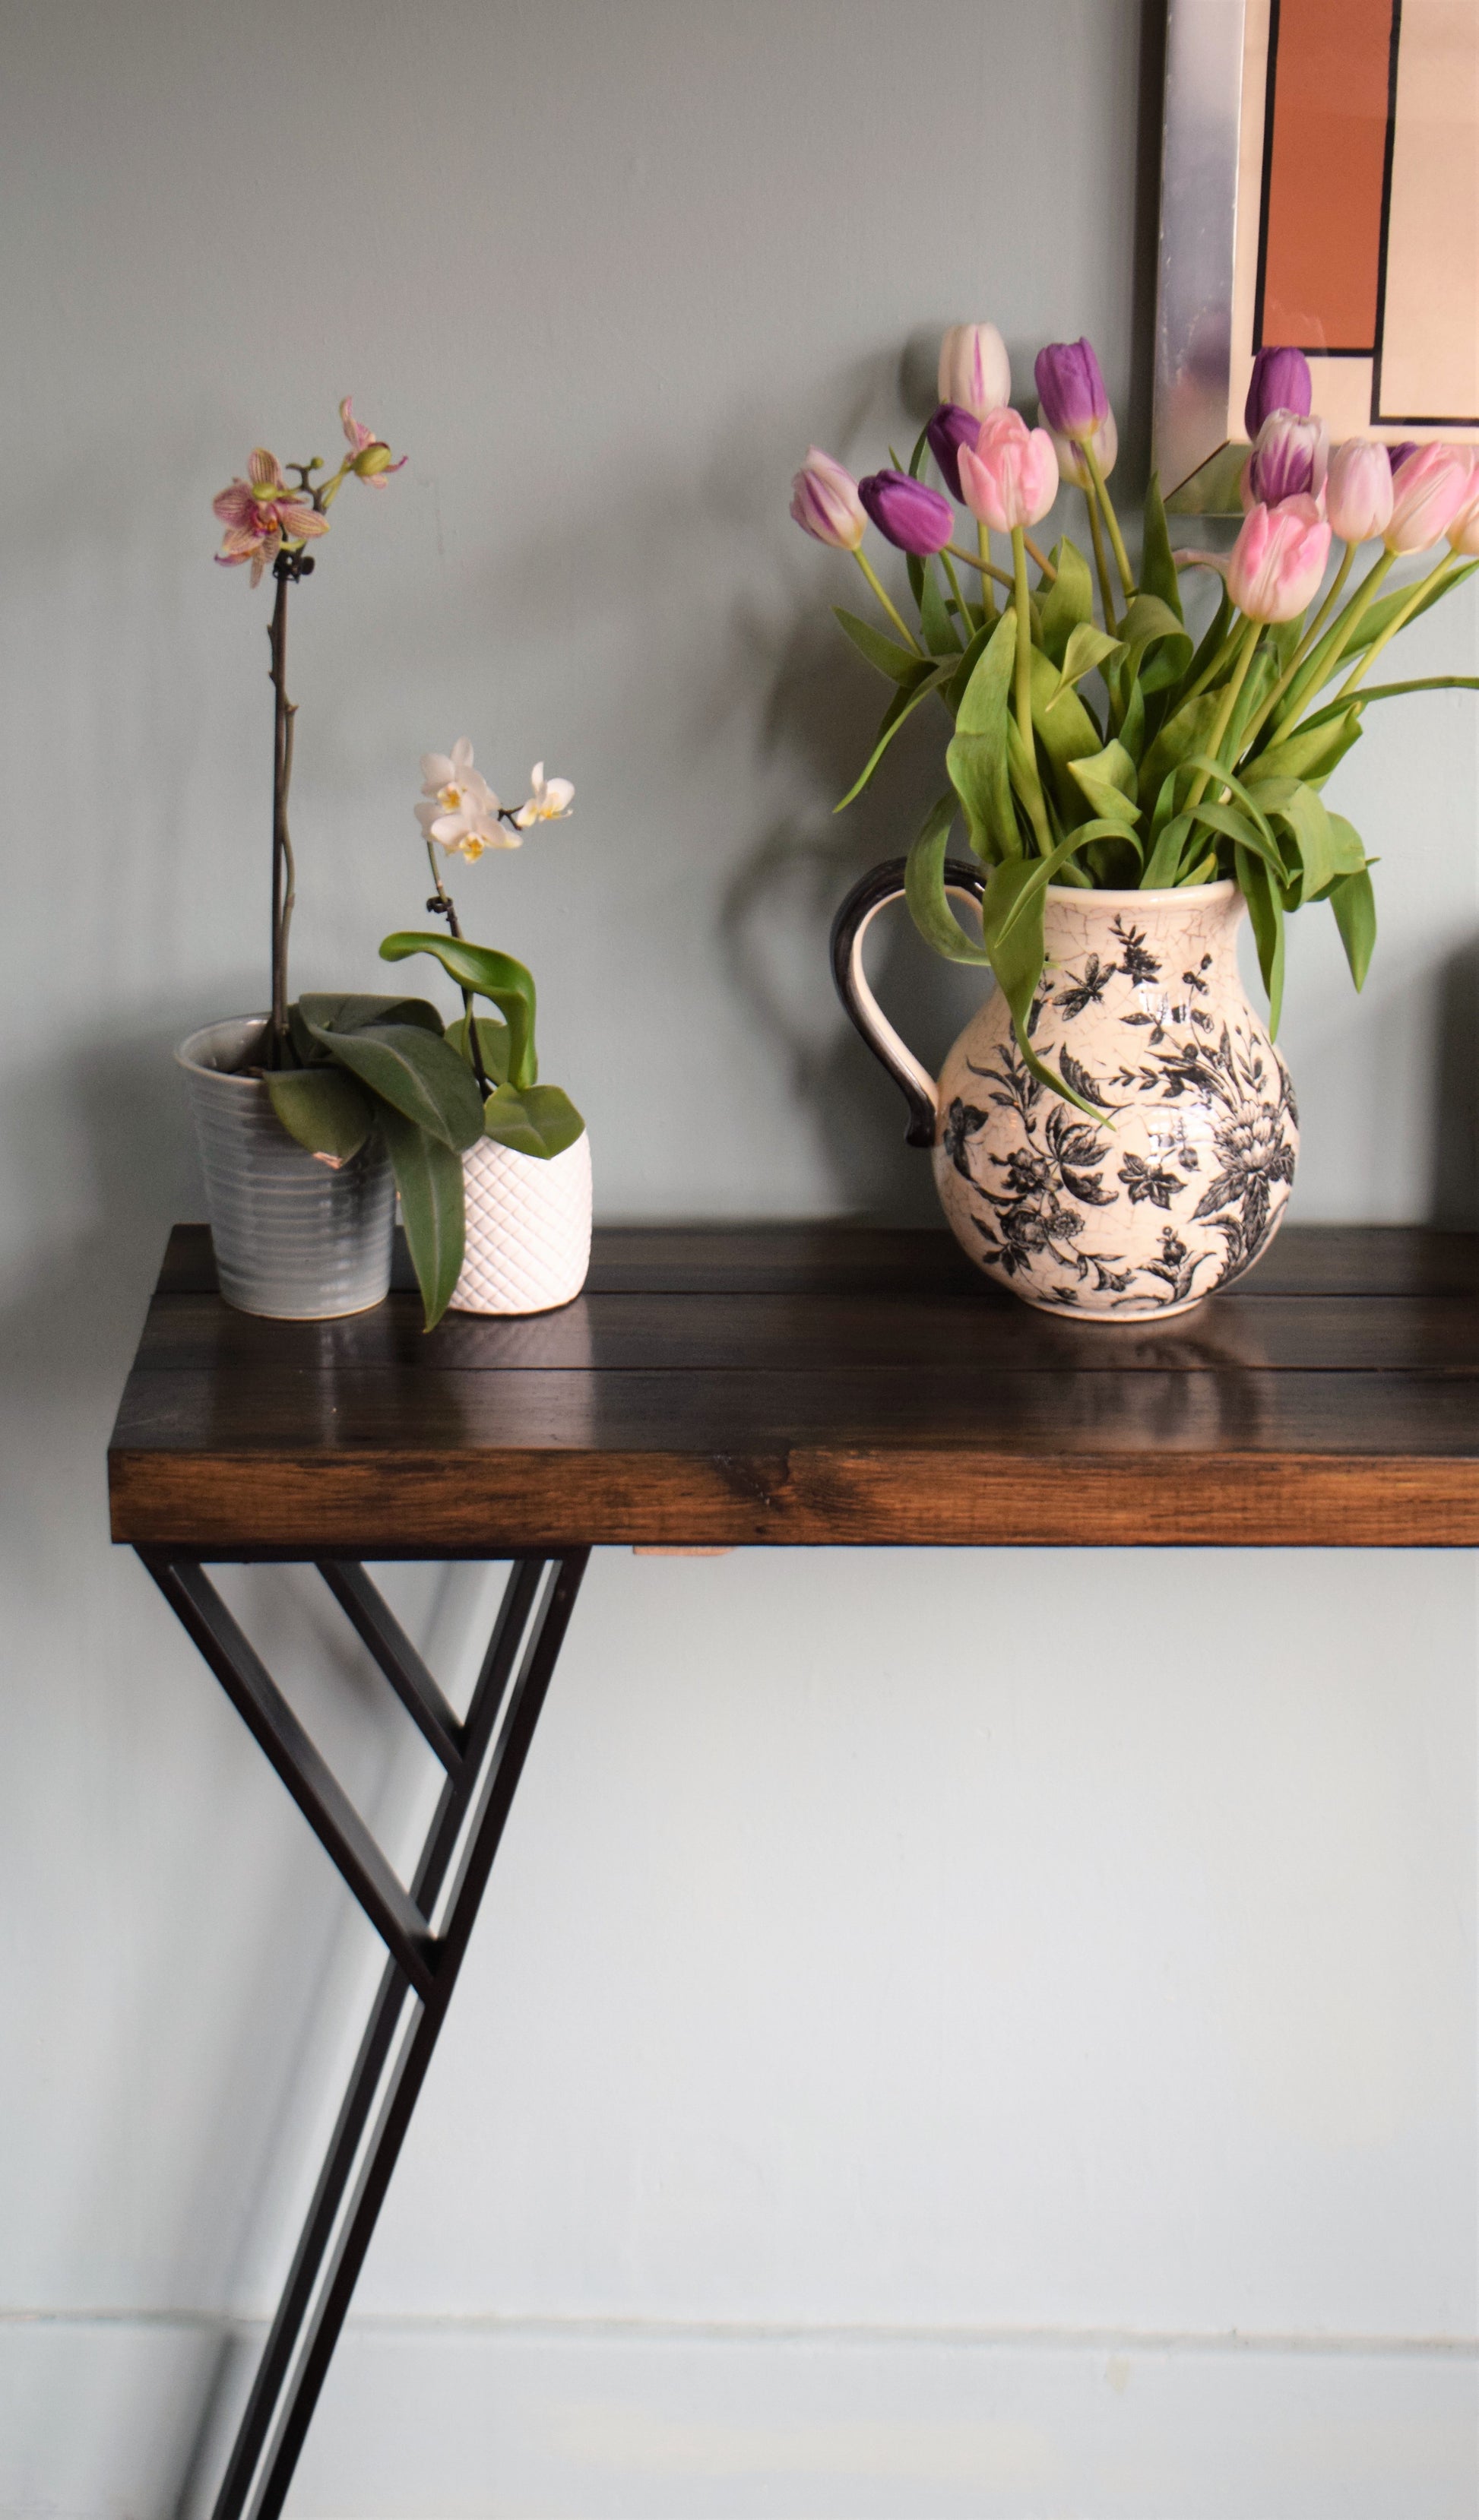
416, 1073
540, 1122
323, 1109
429, 1179
505, 983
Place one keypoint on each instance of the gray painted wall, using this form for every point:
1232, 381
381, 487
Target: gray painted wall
973, 2034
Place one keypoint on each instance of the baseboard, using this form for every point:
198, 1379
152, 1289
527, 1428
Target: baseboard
424, 2420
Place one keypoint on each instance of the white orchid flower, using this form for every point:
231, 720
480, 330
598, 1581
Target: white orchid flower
549, 802
461, 814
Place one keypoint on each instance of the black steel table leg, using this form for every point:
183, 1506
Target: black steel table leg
484, 1759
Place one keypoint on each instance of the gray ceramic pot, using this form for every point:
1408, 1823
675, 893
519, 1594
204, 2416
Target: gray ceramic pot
294, 1240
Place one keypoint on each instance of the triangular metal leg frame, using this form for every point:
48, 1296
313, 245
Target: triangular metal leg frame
425, 1930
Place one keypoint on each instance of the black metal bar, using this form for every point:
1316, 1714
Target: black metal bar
505, 1768
312, 1783
276, 2359
381, 1632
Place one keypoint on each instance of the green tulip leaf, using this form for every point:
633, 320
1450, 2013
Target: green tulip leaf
323, 1109
902, 706
1312, 751
902, 665
924, 887
1088, 645
1159, 573
1265, 916
540, 1122
1068, 601
1108, 778
429, 1179
1011, 922
1354, 904
976, 758
941, 636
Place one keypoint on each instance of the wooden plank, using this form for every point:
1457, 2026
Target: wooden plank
404, 1503
1303, 1260
847, 1332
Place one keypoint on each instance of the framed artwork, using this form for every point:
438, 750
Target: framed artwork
1320, 189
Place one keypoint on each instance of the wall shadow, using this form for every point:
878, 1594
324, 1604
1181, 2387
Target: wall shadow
1454, 1193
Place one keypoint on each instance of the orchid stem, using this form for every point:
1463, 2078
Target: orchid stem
444, 903
895, 617
1035, 804
282, 847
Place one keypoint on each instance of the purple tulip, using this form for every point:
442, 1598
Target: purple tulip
1281, 382
1288, 461
1399, 452
1071, 395
908, 513
951, 429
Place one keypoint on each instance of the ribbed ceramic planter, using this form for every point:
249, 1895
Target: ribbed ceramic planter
294, 1239
528, 1243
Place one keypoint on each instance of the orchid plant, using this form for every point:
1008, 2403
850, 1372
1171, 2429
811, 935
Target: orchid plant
460, 814
339, 1066
1118, 751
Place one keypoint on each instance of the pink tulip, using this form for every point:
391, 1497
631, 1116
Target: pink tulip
1428, 490
974, 368
825, 502
1464, 532
1011, 478
1276, 565
1358, 489
262, 513
1290, 457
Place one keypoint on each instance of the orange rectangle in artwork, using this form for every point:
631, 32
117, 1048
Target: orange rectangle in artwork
1324, 161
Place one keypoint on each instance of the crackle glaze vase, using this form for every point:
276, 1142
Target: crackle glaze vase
1180, 1179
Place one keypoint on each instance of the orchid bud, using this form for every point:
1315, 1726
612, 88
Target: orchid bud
376, 459
1276, 565
1281, 382
1105, 443
1071, 398
974, 368
907, 514
951, 429
825, 502
1290, 458
1359, 490
1010, 478
1428, 490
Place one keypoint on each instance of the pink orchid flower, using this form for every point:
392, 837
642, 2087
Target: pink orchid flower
372, 455
262, 514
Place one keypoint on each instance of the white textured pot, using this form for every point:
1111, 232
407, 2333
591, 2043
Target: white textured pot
528, 1236
1182, 1176
294, 1240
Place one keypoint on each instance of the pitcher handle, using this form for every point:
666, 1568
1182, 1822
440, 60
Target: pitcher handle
873, 893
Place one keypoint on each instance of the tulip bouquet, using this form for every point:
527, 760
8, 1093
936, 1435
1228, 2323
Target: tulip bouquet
1117, 751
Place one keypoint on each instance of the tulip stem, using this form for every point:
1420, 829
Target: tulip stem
1102, 565
1043, 561
987, 568
1425, 586
1321, 660
1111, 520
1035, 805
1305, 648
1230, 699
988, 572
961, 606
895, 617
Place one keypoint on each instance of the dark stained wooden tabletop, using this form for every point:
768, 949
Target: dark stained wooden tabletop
816, 1384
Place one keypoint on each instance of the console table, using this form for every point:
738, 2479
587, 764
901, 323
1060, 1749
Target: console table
749, 1387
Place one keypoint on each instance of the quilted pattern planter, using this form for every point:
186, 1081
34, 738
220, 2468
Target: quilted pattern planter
529, 1217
